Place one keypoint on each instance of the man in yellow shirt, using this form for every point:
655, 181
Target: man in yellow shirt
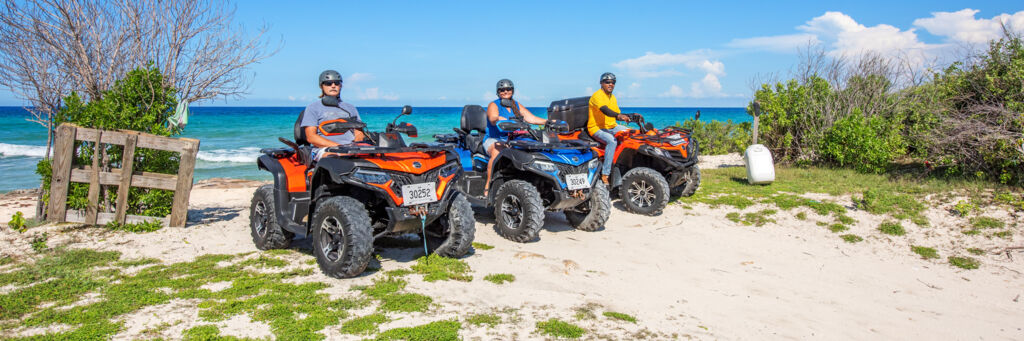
604, 111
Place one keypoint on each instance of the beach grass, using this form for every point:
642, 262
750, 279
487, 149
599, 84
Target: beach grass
851, 238
892, 228
500, 278
925, 252
620, 316
437, 268
558, 328
964, 262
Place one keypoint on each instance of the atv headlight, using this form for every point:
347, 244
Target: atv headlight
450, 169
544, 166
657, 152
372, 177
593, 164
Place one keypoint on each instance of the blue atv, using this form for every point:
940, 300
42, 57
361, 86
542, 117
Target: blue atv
537, 172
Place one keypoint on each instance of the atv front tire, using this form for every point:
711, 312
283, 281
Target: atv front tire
266, 232
644, 191
342, 237
593, 213
690, 186
518, 212
458, 228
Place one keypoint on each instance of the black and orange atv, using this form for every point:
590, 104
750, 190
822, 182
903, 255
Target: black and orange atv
358, 193
649, 166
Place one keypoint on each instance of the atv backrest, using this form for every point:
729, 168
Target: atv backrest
573, 111
474, 117
300, 134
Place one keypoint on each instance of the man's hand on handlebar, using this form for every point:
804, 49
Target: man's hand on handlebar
623, 117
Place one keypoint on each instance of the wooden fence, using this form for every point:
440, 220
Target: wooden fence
65, 173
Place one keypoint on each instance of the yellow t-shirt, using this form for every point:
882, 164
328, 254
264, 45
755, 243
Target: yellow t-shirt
598, 120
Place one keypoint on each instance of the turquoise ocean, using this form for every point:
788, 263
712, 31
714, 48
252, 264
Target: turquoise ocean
231, 137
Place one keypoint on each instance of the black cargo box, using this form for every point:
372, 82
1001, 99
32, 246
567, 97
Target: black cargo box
574, 111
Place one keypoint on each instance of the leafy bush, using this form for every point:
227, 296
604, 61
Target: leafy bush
17, 222
964, 262
141, 102
892, 228
717, 137
868, 144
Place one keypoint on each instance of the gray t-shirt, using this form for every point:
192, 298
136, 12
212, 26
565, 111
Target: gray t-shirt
318, 112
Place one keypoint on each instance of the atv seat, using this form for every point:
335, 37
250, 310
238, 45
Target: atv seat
474, 119
303, 150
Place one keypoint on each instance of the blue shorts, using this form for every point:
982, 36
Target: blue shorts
489, 143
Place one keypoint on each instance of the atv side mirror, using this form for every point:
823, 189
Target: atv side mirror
558, 126
403, 128
406, 110
648, 126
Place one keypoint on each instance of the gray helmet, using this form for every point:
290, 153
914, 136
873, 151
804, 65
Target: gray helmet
607, 76
329, 75
504, 83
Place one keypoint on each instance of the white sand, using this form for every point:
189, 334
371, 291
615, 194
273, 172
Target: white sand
687, 272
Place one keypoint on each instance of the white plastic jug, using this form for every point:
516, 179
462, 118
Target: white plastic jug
760, 166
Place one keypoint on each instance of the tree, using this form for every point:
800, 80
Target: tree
49, 48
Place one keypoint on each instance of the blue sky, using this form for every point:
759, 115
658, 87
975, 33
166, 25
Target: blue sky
679, 53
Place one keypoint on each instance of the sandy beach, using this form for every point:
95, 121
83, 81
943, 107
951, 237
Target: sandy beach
688, 273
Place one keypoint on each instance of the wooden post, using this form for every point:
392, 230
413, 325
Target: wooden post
179, 210
127, 164
63, 153
92, 210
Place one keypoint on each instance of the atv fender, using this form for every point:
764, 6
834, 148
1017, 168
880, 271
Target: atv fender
292, 207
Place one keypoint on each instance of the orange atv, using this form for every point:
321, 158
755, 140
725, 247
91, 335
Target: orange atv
357, 193
649, 166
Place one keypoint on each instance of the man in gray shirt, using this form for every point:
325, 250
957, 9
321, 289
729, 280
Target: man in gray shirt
319, 112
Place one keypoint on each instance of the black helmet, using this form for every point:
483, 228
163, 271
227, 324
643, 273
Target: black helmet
329, 75
504, 83
607, 76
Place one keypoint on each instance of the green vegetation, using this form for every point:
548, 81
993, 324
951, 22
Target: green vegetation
363, 325
437, 268
262, 261
964, 262
557, 328
925, 252
717, 137
963, 121
17, 222
1003, 234
481, 319
39, 242
4, 260
447, 330
145, 226
987, 223
964, 208
399, 272
851, 238
620, 316
481, 246
586, 312
387, 292
836, 228
140, 101
976, 251
899, 206
500, 278
801, 215
892, 228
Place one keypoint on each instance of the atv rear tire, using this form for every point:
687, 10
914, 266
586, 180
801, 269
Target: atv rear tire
690, 186
518, 212
266, 232
644, 191
342, 236
458, 228
593, 213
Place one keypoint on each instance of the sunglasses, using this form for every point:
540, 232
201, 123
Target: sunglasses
330, 83
506, 89
608, 82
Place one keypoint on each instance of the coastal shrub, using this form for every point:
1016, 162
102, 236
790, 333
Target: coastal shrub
558, 328
142, 102
717, 137
925, 252
867, 144
892, 228
17, 222
964, 262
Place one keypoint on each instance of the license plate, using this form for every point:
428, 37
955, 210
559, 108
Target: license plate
416, 194
576, 181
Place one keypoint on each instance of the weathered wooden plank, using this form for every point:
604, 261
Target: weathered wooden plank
94, 183
179, 210
148, 141
108, 137
127, 163
139, 179
63, 152
78, 216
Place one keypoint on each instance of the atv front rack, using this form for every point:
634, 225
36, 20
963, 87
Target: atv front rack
564, 144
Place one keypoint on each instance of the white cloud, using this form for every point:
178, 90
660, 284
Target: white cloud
442, 98
961, 26
292, 98
360, 77
673, 91
654, 65
781, 43
709, 86
590, 90
375, 94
